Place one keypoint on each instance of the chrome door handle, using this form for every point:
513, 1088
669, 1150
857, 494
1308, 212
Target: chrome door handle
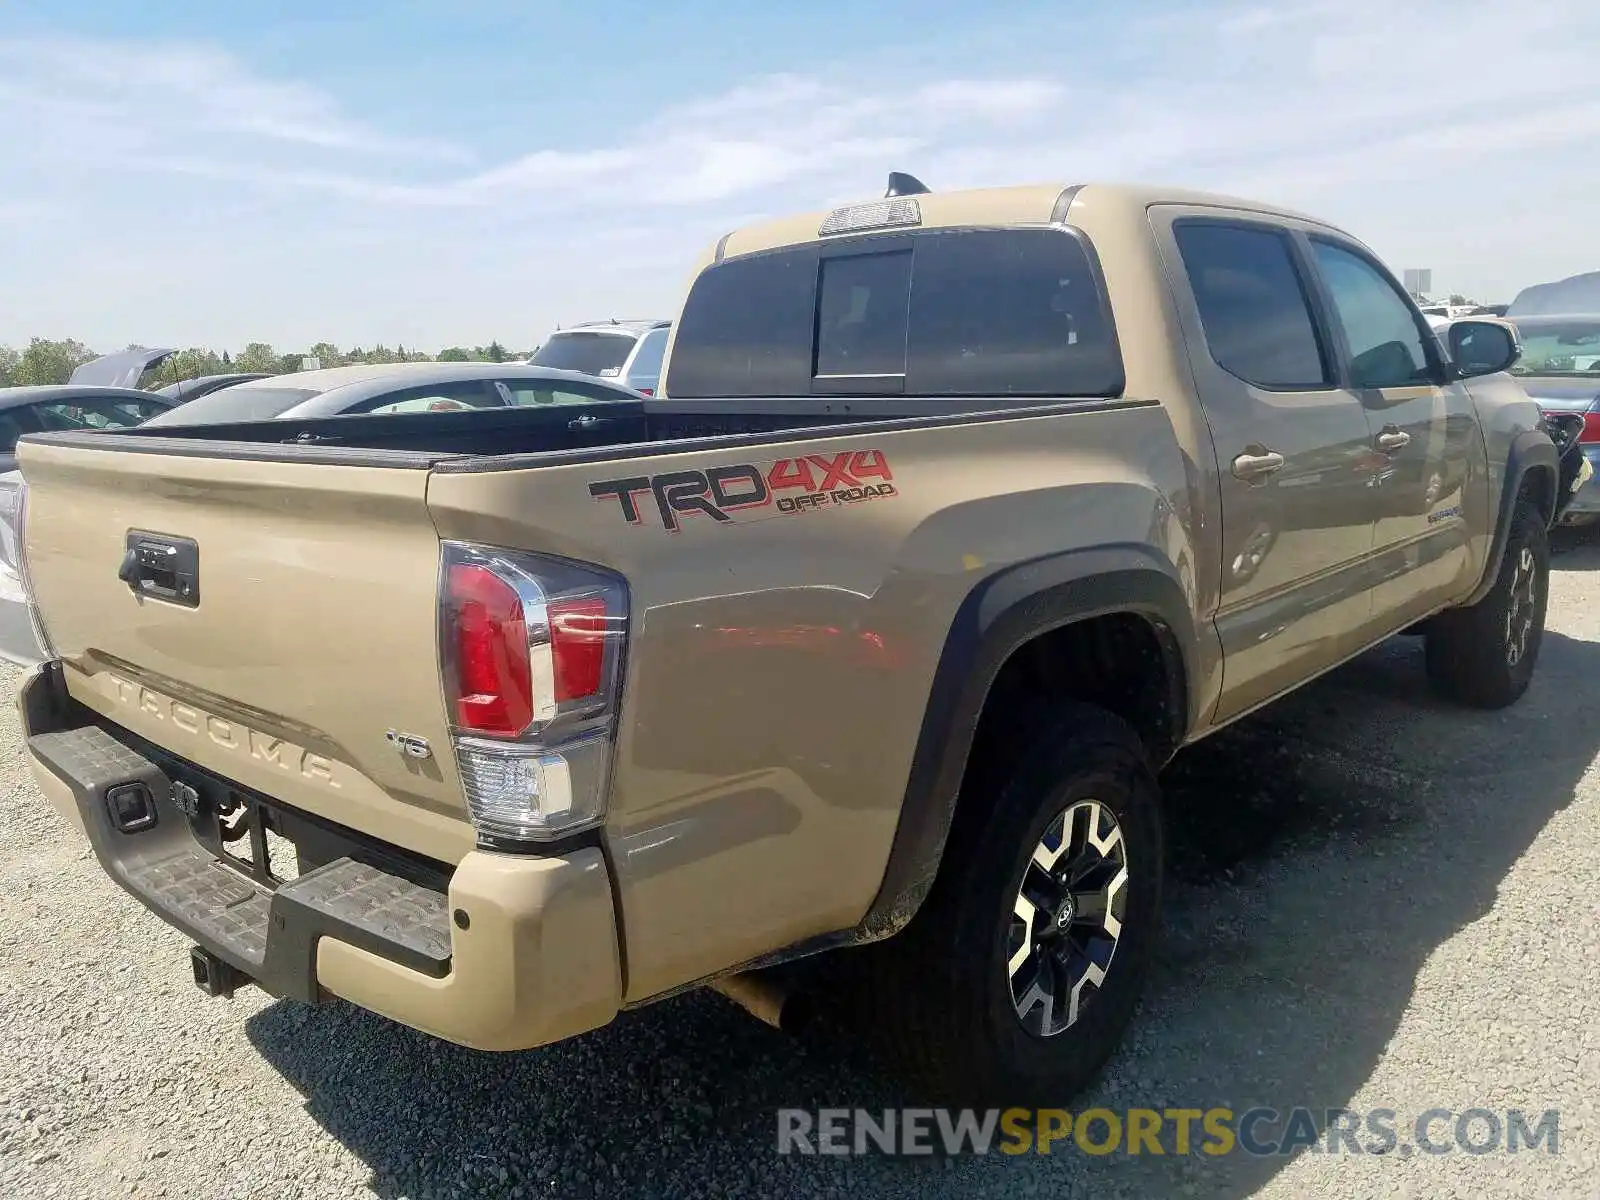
1252, 465
1392, 439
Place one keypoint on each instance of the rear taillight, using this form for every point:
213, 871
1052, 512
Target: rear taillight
1589, 435
493, 676
14, 583
578, 647
532, 652
647, 391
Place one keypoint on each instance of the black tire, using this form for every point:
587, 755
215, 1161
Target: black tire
942, 994
1484, 656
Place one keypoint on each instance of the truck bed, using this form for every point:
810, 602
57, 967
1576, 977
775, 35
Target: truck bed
422, 439
567, 433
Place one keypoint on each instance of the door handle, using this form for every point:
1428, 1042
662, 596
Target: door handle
1257, 463
1392, 439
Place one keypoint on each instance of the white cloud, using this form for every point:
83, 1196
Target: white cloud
1457, 135
140, 94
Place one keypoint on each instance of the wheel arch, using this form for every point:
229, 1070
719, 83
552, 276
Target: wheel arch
1532, 471
1000, 619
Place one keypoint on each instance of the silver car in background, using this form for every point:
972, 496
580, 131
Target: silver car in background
628, 352
1560, 370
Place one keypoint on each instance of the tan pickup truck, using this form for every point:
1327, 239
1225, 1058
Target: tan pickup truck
960, 515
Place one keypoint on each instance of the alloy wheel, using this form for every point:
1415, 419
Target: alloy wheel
1523, 605
1067, 918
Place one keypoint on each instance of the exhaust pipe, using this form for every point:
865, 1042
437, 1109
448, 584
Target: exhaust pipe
770, 1001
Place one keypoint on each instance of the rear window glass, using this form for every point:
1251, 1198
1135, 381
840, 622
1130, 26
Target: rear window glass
590, 353
238, 403
937, 313
862, 307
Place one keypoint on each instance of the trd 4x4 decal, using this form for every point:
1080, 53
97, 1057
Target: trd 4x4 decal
783, 487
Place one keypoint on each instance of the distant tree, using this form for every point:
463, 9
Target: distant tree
45, 361
185, 364
328, 354
1458, 298
258, 356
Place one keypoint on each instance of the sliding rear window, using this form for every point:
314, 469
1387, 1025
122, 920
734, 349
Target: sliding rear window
949, 312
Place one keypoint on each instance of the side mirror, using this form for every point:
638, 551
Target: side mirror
1480, 347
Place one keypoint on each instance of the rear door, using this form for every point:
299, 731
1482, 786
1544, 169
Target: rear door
1424, 434
1293, 449
309, 631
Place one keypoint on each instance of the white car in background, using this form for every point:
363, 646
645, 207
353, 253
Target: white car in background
628, 352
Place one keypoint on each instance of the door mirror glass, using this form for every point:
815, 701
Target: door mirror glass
1482, 347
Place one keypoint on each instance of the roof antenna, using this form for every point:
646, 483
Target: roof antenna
901, 184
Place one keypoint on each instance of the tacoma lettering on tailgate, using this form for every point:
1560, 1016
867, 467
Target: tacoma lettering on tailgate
226, 735
753, 491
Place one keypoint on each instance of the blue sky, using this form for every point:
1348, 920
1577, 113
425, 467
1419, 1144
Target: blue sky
203, 174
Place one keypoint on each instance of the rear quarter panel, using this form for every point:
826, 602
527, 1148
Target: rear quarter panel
780, 663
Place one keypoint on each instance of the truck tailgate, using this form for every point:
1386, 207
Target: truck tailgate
311, 631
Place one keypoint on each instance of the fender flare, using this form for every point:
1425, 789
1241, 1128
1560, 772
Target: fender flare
1532, 452
1002, 613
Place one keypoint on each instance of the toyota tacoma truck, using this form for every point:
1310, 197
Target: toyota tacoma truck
959, 515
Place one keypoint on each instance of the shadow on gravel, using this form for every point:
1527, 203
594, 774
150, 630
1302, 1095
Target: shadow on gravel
1575, 548
1360, 821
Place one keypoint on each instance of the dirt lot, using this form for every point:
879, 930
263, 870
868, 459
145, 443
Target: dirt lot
1378, 902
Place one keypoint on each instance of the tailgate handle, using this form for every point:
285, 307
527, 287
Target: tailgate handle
162, 567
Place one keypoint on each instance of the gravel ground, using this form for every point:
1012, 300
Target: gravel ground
1378, 902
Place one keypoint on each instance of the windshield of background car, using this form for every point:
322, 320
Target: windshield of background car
236, 403
1559, 348
939, 312
591, 353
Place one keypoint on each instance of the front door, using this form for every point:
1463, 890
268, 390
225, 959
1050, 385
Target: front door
1294, 451
1423, 429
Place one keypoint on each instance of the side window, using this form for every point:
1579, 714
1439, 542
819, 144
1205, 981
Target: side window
1253, 305
91, 413
443, 397
534, 393
1386, 347
652, 348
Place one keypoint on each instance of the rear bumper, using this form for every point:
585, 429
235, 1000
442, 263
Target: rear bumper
502, 953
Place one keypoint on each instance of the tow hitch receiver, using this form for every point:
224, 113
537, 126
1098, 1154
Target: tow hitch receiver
213, 976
